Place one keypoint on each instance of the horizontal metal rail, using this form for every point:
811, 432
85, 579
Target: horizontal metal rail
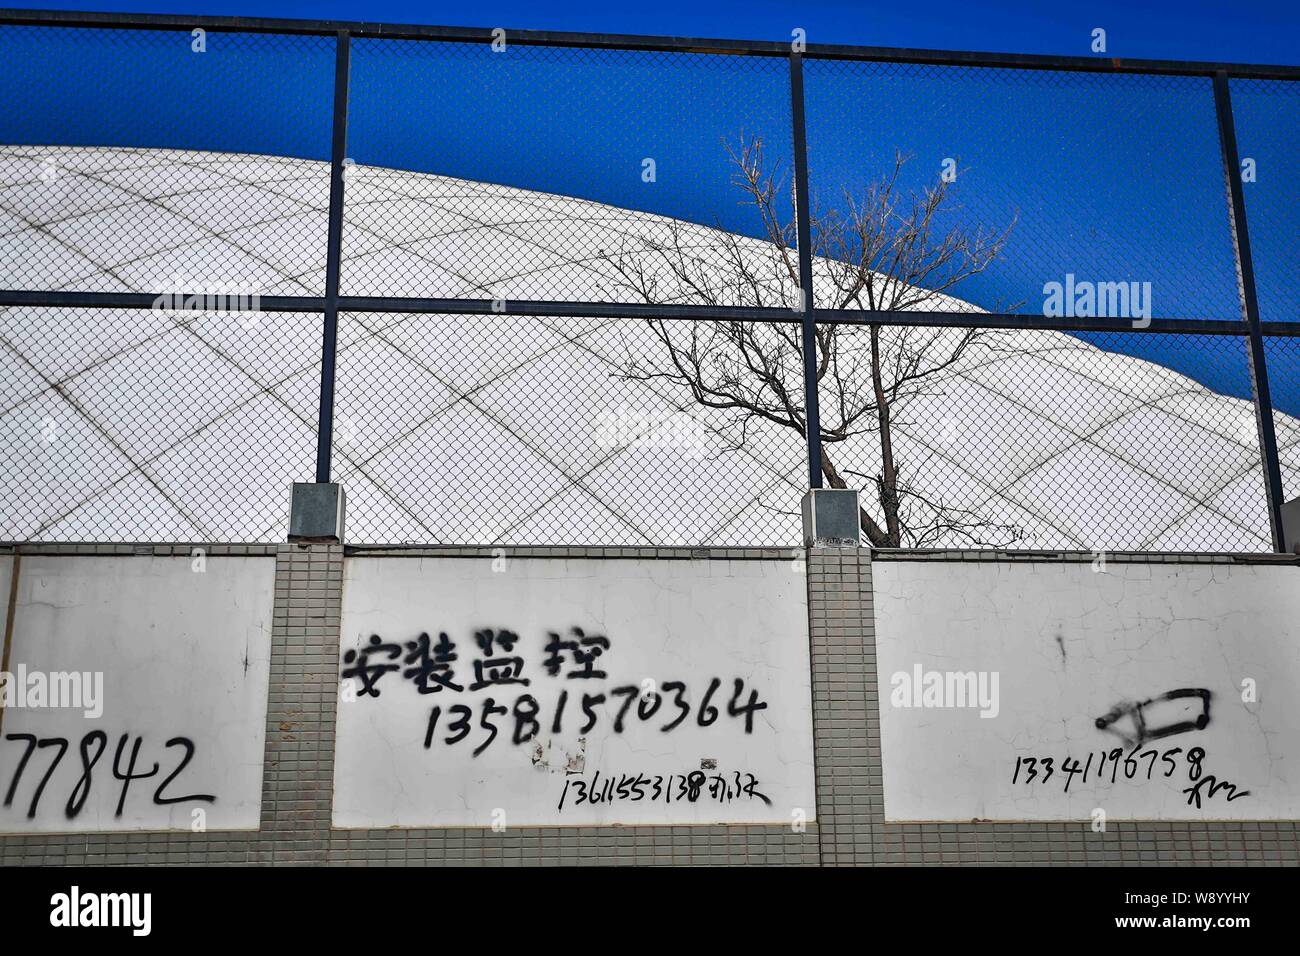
636, 310
615, 41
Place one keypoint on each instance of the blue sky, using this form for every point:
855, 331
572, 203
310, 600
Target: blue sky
1109, 178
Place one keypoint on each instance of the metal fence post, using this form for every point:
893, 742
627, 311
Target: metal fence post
1249, 305
808, 321
329, 343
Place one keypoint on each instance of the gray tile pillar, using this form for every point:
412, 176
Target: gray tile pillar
845, 728
298, 776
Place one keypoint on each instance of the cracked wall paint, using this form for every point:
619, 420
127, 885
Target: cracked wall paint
185, 664
572, 692
1126, 685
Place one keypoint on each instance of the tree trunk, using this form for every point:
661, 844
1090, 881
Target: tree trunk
873, 531
888, 484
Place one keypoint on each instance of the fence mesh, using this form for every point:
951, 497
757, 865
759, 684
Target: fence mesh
140, 161
525, 430
195, 167
123, 424
1036, 439
1014, 179
1267, 118
548, 173
1282, 356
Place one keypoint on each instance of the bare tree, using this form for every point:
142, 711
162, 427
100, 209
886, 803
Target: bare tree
883, 249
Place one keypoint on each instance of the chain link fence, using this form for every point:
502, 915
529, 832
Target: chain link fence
563, 279
1283, 354
1037, 175
637, 151
1265, 113
1047, 440
132, 424
533, 430
152, 161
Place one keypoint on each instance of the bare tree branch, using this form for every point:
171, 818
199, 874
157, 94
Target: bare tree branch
884, 249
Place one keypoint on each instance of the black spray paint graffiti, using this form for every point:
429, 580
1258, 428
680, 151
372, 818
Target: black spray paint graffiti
1043, 769
97, 741
675, 788
527, 717
1177, 706
1142, 730
429, 666
1184, 709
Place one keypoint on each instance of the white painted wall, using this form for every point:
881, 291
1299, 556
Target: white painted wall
688, 621
1069, 644
181, 653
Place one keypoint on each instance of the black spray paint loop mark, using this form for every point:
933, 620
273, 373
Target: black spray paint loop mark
1141, 732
